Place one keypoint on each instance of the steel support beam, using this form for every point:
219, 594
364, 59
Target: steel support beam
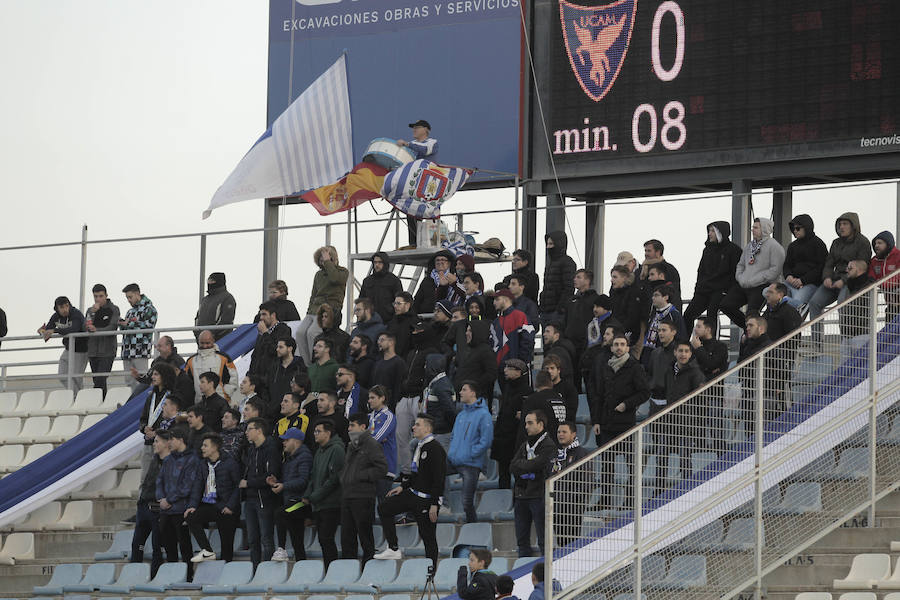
270, 246
594, 234
782, 212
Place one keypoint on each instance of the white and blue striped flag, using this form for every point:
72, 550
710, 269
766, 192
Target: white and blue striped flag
309, 145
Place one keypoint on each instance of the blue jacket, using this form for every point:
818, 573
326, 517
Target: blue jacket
383, 427
295, 475
176, 480
538, 593
472, 435
228, 476
371, 328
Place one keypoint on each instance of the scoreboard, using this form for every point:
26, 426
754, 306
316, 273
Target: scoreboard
635, 86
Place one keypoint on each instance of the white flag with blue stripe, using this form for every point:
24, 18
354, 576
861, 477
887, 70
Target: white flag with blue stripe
309, 145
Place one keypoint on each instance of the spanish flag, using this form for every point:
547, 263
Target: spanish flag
360, 185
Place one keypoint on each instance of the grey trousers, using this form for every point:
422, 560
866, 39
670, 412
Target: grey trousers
79, 361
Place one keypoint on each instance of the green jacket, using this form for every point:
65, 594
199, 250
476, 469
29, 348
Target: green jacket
321, 377
329, 287
324, 489
856, 246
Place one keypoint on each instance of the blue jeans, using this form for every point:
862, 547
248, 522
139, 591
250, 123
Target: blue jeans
260, 530
802, 296
822, 298
469, 484
528, 510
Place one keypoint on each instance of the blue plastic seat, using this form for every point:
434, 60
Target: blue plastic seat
360, 597
340, 573
445, 534
499, 565
374, 575
741, 536
491, 476
478, 535
495, 505
268, 573
315, 550
395, 597
304, 573
322, 597
222, 598
685, 572
770, 499
799, 498
95, 576
64, 574
853, 464
583, 414
168, 574
131, 575
409, 542
411, 576
820, 468
653, 569
119, 548
701, 460
521, 562
706, 537
233, 574
206, 573
445, 576
453, 500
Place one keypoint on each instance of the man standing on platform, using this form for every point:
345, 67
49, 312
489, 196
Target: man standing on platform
423, 146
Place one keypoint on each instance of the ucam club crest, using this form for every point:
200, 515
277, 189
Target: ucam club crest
597, 40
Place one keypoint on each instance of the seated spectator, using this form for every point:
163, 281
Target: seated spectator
262, 464
209, 358
564, 387
364, 465
351, 397
329, 286
103, 315
537, 580
362, 359
530, 466
389, 369
512, 336
556, 345
710, 353
368, 322
217, 307
781, 317
656, 277
476, 308
212, 404
330, 330
175, 483
854, 317
67, 319
438, 284
850, 244
506, 429
147, 520
483, 582
215, 497
323, 492
197, 428
653, 256
803, 262
167, 353
401, 324
505, 588
628, 304
884, 264
381, 286
291, 516
291, 415
760, 265
141, 315
523, 265
286, 365
715, 273
327, 411
270, 329
517, 285
478, 362
231, 433
323, 368
662, 310
559, 272
470, 441
383, 427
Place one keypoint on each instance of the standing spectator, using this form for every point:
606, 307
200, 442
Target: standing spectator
559, 272
506, 430
330, 330
629, 306
472, 435
67, 319
854, 317
248, 388
656, 278
682, 378
141, 315
210, 359
231, 433
420, 493
174, 485
217, 307
850, 244
383, 427
327, 411
512, 336
162, 380
521, 301
711, 354
438, 284
328, 287
364, 467
660, 363
286, 309
368, 322
323, 493
323, 368
627, 259
884, 264
523, 266
483, 585
547, 400
402, 323
215, 497
291, 415
285, 367
803, 262
663, 310
439, 402
760, 264
381, 286
262, 461
362, 360
291, 516
147, 520
562, 348
755, 341
103, 315
653, 255
389, 369
602, 311
479, 362
212, 404
570, 449
564, 387
4, 330
569, 494
579, 311
537, 580
781, 317
530, 466
270, 329
621, 387
196, 428
351, 397
715, 273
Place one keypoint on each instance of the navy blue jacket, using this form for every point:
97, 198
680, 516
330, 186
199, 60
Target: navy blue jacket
176, 480
228, 476
295, 475
259, 463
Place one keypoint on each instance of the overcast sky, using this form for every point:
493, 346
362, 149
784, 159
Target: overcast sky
126, 116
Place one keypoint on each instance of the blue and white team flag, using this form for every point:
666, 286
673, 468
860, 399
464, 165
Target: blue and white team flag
309, 145
420, 187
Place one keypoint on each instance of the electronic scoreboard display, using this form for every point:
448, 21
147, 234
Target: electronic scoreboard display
640, 85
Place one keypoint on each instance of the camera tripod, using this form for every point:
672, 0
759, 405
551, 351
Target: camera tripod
429, 587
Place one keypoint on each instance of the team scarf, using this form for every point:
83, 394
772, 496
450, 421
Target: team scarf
595, 330
755, 247
562, 455
531, 448
616, 362
209, 494
157, 410
414, 466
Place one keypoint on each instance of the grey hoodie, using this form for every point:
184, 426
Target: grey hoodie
767, 264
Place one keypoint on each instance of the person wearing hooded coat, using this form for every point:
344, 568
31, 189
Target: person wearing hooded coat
523, 264
509, 422
885, 263
437, 285
217, 307
760, 265
803, 261
559, 272
381, 286
850, 245
479, 363
715, 273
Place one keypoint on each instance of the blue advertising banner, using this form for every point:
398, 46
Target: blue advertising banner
454, 63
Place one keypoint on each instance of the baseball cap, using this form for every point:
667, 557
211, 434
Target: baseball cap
293, 434
504, 292
421, 123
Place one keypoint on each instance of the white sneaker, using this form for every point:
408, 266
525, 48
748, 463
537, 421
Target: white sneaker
388, 554
280, 555
203, 555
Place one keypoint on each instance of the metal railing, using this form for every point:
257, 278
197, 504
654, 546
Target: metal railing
708, 496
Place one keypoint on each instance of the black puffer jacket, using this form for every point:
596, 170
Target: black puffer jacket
715, 273
805, 257
559, 271
429, 293
479, 363
533, 285
381, 287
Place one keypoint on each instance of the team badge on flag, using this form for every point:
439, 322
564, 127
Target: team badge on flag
597, 40
420, 187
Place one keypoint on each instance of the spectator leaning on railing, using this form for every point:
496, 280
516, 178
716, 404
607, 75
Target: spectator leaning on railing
67, 319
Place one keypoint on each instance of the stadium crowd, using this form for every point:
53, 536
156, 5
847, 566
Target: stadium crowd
334, 428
